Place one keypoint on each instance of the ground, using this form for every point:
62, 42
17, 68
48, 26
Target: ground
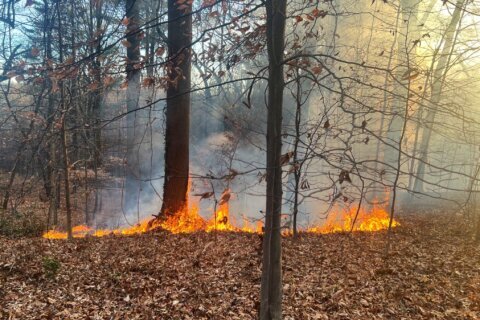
433, 272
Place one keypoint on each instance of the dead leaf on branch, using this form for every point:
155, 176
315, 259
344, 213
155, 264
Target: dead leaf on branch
285, 158
225, 197
148, 81
293, 168
160, 51
261, 177
319, 13
410, 74
317, 69
344, 176
364, 125
108, 81
205, 195
233, 173
34, 52
305, 185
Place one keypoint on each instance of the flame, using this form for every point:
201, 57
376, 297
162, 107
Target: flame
189, 220
221, 220
340, 220
250, 228
185, 221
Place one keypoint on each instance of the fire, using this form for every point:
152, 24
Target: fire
250, 227
186, 221
189, 220
221, 220
375, 219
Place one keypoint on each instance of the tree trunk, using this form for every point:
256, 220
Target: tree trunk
66, 178
271, 284
98, 93
132, 183
297, 163
52, 171
400, 88
438, 80
63, 131
178, 109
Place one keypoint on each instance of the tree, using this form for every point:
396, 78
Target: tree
437, 85
132, 96
178, 107
271, 283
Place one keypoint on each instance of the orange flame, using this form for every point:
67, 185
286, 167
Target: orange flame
375, 219
189, 220
221, 220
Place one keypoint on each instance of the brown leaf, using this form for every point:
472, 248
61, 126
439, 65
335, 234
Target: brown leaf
34, 52
225, 197
205, 195
148, 81
160, 51
344, 176
326, 125
317, 69
108, 80
285, 158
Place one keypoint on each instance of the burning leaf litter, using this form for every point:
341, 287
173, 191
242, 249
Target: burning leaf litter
189, 220
431, 274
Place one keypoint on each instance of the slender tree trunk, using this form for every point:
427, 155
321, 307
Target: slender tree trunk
380, 144
178, 108
271, 284
63, 131
66, 177
400, 88
477, 232
52, 171
438, 81
296, 162
98, 98
150, 40
132, 183
11, 179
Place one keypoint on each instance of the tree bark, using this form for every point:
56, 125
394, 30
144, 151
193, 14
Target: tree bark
400, 88
132, 181
63, 131
271, 283
296, 161
178, 109
438, 81
98, 93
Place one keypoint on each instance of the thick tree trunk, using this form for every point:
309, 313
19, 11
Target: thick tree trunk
271, 284
178, 109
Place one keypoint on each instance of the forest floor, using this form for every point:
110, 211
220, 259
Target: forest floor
433, 272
